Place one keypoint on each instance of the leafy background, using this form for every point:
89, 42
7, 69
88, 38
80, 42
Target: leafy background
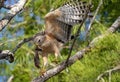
103, 57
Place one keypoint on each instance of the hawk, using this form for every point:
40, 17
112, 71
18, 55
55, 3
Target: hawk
58, 27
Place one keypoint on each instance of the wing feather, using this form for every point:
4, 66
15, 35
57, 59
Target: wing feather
59, 23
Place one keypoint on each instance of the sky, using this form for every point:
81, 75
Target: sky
8, 2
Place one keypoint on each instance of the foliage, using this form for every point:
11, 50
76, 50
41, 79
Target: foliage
104, 56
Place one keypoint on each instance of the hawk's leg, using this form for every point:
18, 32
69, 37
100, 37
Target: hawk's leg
57, 55
45, 60
45, 63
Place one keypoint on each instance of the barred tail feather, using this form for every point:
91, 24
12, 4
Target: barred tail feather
73, 12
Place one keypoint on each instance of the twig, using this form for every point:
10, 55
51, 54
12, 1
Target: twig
79, 55
108, 72
10, 79
96, 12
78, 31
25, 40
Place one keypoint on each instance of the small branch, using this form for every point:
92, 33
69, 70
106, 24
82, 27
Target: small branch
96, 12
79, 55
78, 31
25, 40
69, 54
6, 54
18, 24
108, 72
10, 55
10, 79
16, 8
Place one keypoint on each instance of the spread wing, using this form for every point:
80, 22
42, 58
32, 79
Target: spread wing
59, 23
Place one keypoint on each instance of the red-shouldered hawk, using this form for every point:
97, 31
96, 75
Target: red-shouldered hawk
58, 26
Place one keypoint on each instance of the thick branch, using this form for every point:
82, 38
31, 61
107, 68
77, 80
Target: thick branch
16, 8
115, 25
112, 29
50, 73
7, 6
6, 54
10, 55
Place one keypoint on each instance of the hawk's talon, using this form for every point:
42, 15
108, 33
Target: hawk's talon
42, 71
56, 61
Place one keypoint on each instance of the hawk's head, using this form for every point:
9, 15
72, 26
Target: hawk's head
39, 38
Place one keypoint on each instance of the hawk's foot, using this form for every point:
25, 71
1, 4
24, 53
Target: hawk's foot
42, 71
56, 61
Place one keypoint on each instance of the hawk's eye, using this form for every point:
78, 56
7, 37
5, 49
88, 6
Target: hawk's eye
39, 40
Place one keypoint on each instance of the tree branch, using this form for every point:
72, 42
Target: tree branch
93, 18
15, 9
10, 79
7, 6
79, 55
78, 31
115, 25
116, 68
112, 29
10, 55
96, 12
6, 54
25, 40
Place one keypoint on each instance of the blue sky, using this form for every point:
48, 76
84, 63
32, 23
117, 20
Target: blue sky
8, 2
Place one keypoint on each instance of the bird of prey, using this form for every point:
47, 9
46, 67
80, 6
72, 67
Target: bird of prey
58, 27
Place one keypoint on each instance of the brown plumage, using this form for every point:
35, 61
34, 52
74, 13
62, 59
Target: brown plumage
58, 27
